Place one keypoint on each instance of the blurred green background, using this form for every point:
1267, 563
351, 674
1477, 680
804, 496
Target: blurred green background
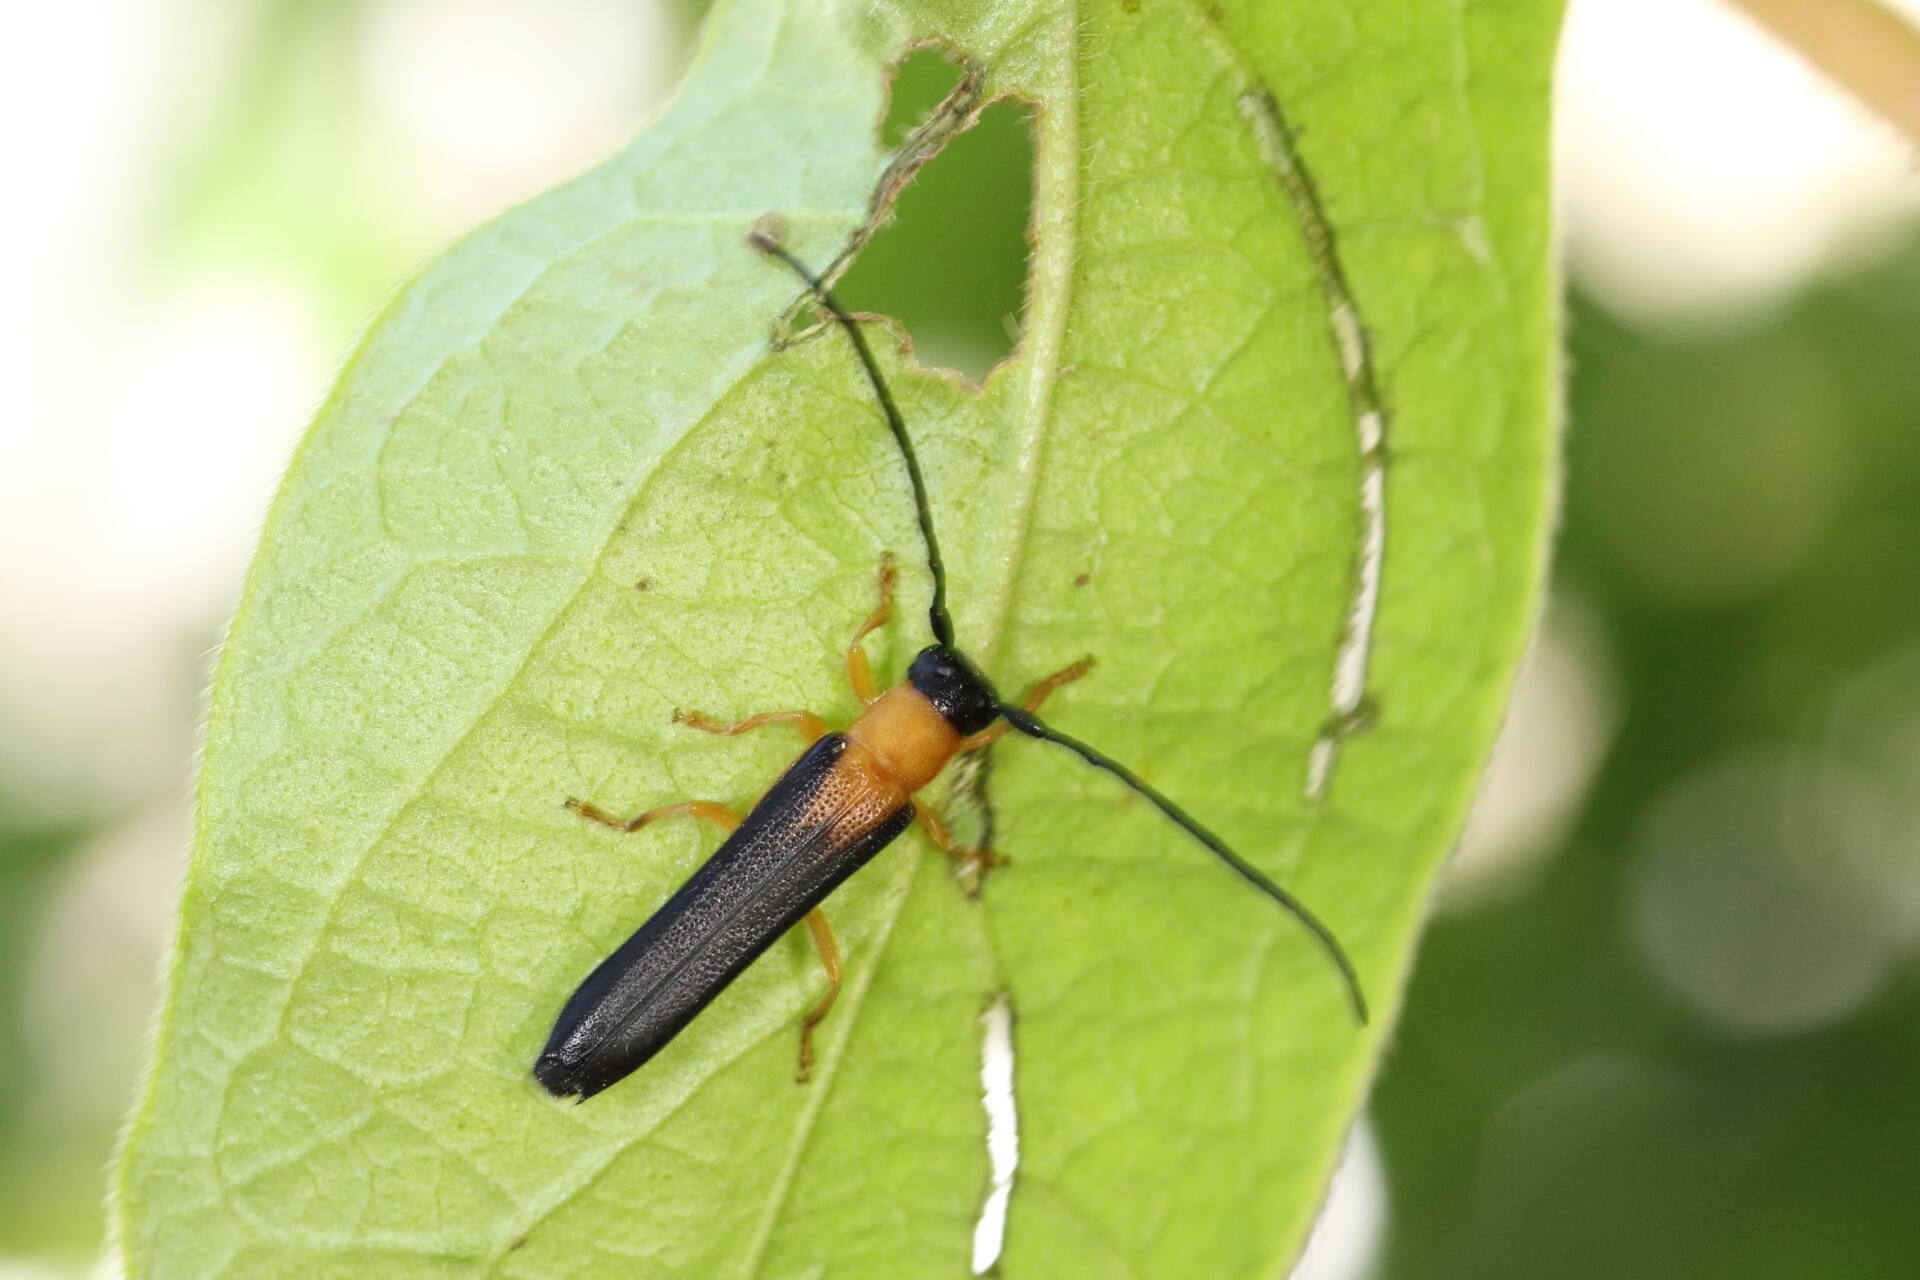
1663, 1021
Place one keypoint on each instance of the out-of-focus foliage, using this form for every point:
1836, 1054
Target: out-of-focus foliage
48, 1192
1587, 1085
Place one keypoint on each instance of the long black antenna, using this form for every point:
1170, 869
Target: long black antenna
1031, 725
937, 615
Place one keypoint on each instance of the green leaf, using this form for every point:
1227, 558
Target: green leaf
570, 485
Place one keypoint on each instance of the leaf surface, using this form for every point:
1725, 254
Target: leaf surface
570, 485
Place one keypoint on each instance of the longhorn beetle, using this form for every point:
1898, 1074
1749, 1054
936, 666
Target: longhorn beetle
845, 798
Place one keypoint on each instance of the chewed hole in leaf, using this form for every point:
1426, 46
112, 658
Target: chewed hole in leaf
1003, 1131
951, 264
922, 80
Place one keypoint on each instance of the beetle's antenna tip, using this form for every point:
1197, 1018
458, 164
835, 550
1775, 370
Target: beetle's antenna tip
1031, 725
768, 231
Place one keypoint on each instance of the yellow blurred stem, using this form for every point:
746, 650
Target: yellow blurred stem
1863, 46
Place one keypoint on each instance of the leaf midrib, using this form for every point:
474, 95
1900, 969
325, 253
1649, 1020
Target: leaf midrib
1053, 259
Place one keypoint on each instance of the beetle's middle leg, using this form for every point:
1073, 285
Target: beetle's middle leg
859, 675
705, 810
972, 863
811, 726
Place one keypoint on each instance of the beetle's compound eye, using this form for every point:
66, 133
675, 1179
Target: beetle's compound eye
956, 690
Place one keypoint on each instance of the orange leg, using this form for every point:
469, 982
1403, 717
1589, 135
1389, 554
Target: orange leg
705, 810
859, 672
979, 861
1035, 697
860, 676
829, 949
811, 726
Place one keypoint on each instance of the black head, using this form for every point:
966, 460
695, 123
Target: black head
957, 691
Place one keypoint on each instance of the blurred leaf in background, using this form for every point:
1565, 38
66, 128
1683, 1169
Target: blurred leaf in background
1686, 1052
42, 1184
223, 195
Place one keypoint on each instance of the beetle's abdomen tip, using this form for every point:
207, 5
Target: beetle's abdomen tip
557, 1076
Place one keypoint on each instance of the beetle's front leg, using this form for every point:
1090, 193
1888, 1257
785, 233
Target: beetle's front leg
859, 670
1036, 696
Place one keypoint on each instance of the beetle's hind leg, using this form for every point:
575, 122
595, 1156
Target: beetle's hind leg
829, 949
726, 819
1035, 697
